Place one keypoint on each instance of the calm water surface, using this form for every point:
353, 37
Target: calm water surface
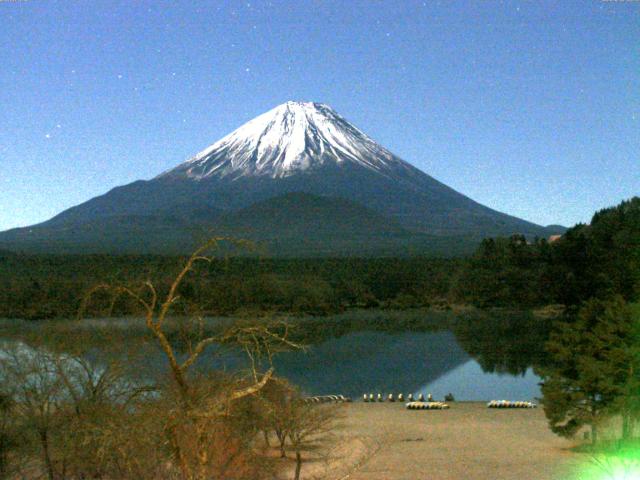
476, 359
410, 362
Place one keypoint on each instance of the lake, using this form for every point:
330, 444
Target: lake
475, 358
409, 362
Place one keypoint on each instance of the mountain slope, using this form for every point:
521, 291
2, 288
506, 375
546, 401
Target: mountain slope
294, 148
293, 215
300, 224
291, 225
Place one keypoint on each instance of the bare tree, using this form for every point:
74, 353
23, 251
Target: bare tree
36, 391
94, 419
277, 402
75, 411
8, 434
298, 425
311, 430
196, 415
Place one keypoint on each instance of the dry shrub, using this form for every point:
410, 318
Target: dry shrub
10, 437
210, 436
306, 429
79, 419
90, 420
111, 442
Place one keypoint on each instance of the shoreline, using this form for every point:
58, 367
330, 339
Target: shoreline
467, 441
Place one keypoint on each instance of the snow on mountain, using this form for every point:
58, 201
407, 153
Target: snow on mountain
299, 176
293, 137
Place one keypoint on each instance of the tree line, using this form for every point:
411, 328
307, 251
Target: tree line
591, 369
51, 286
596, 260
592, 375
592, 260
70, 412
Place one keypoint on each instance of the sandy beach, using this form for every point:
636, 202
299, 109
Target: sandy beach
383, 441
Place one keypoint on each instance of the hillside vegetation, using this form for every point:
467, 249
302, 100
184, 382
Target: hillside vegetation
589, 260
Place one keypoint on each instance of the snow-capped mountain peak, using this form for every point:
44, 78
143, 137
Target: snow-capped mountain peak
292, 137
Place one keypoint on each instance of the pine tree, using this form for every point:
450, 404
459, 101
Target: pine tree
595, 369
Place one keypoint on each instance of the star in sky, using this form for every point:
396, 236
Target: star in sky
428, 59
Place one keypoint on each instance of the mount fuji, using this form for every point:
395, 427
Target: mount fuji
300, 179
292, 138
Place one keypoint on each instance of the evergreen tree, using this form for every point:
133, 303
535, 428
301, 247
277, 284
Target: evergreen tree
600, 259
627, 357
594, 370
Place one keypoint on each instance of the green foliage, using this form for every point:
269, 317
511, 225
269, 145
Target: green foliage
594, 366
596, 260
39, 287
602, 258
504, 342
507, 272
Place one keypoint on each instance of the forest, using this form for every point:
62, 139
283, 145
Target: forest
592, 260
587, 357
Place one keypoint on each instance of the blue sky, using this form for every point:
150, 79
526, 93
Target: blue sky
532, 107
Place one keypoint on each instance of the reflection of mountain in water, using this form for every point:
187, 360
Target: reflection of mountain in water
355, 363
391, 360
471, 382
372, 362
486, 354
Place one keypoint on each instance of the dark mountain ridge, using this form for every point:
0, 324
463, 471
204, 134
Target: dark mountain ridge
358, 197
